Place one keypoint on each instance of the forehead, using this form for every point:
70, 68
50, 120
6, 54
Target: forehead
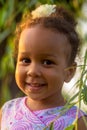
41, 39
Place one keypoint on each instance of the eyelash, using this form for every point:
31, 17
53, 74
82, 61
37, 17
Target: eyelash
26, 60
45, 62
48, 62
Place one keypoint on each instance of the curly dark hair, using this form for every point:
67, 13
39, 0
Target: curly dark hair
60, 21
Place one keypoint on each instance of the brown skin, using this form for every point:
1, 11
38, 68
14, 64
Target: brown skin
41, 66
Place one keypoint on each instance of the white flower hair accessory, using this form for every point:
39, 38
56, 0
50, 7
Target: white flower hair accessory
43, 11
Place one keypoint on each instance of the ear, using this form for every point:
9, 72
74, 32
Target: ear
70, 71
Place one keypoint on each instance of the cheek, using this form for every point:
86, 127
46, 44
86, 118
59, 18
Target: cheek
19, 75
52, 77
56, 77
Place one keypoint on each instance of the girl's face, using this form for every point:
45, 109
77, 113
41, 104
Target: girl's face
42, 62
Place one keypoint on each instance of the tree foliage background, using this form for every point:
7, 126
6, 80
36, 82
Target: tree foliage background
11, 12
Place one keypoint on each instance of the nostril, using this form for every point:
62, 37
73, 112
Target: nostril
34, 69
33, 73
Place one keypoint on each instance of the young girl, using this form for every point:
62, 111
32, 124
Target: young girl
46, 47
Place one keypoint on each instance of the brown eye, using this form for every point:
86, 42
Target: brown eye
48, 62
26, 60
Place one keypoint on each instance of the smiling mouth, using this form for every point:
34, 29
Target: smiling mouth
35, 86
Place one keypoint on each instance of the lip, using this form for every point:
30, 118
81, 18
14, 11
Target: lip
35, 86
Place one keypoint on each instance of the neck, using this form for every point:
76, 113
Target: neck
45, 103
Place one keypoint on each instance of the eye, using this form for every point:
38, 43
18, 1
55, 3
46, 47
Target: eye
48, 62
26, 60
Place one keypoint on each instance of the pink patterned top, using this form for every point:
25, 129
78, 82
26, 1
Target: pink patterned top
17, 116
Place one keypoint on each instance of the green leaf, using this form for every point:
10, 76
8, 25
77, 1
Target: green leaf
70, 127
84, 94
51, 126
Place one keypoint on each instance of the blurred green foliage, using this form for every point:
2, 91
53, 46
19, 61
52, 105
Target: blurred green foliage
11, 12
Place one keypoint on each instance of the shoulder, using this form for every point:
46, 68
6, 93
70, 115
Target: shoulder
9, 110
82, 119
11, 105
12, 102
74, 110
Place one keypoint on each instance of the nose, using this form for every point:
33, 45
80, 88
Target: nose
34, 70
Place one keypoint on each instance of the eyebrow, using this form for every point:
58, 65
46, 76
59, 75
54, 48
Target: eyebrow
23, 53
43, 54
